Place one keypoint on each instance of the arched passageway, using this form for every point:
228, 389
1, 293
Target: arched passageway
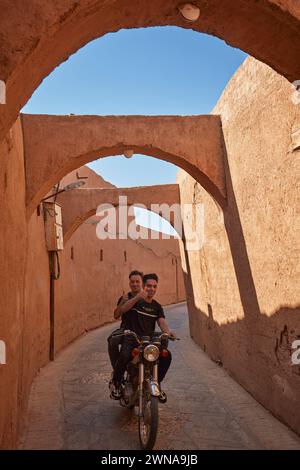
267, 29
56, 145
37, 39
81, 204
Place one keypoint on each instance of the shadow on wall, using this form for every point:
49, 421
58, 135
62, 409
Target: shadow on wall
256, 350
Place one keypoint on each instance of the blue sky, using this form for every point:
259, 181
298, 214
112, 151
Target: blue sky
149, 71
139, 71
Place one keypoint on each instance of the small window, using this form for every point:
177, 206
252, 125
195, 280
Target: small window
72, 252
101, 255
125, 256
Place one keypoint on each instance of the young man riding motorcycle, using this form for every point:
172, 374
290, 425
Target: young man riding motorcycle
142, 314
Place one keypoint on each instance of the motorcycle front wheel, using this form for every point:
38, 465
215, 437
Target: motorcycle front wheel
148, 423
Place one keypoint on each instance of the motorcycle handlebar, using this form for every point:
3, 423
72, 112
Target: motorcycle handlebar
132, 333
169, 337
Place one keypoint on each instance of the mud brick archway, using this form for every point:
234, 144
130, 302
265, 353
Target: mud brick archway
37, 37
81, 204
56, 145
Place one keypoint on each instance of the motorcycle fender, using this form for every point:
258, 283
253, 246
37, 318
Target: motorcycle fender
153, 388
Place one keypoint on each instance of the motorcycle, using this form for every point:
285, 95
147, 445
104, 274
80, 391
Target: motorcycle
140, 386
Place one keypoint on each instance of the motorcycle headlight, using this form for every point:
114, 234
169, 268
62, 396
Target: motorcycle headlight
151, 353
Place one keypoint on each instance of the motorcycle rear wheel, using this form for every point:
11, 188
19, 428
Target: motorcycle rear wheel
148, 423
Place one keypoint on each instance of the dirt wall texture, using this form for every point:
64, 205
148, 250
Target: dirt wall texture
13, 232
91, 280
243, 291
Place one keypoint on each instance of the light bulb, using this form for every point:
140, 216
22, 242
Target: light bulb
128, 153
190, 12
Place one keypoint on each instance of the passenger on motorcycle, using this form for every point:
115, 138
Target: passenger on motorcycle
143, 314
116, 337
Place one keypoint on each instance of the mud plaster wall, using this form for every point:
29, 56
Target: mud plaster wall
24, 284
90, 288
24, 288
86, 292
12, 267
244, 293
36, 329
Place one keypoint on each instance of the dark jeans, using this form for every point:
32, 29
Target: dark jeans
128, 345
114, 343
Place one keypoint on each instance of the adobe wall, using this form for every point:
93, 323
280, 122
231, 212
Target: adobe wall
24, 281
244, 293
85, 294
24, 285
168, 267
36, 329
89, 288
12, 266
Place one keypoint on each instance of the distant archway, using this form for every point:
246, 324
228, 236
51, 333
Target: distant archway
81, 204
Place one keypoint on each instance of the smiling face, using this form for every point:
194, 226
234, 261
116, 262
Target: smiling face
135, 283
150, 287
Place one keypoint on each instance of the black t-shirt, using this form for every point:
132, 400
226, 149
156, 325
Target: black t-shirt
125, 316
143, 317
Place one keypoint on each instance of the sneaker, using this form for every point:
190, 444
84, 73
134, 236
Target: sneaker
163, 396
115, 391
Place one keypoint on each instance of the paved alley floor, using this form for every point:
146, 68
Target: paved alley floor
70, 407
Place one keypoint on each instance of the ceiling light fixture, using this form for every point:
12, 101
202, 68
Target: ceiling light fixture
128, 153
190, 12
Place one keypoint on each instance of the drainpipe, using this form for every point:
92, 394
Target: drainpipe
53, 277
54, 243
176, 277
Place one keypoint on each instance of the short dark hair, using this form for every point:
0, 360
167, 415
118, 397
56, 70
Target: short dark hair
136, 273
150, 276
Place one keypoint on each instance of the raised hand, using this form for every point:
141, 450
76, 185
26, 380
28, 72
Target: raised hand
142, 295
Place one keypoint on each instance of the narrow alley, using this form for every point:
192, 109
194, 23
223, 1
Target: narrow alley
70, 406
